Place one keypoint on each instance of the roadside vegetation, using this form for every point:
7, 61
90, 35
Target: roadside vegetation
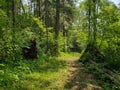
59, 45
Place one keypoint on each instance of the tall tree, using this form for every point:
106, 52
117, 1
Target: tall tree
14, 21
22, 6
46, 22
95, 3
39, 8
57, 25
13, 12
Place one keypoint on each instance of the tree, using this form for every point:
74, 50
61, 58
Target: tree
13, 12
39, 8
46, 23
57, 25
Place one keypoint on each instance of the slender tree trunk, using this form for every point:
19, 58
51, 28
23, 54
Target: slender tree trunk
57, 25
101, 41
35, 13
13, 12
89, 23
63, 27
22, 6
8, 8
39, 8
94, 23
13, 32
46, 23
31, 6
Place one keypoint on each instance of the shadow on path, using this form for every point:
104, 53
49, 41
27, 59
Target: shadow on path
78, 79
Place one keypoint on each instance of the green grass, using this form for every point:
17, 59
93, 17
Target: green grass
43, 81
45, 73
69, 56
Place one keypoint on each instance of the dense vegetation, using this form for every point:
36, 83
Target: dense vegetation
34, 33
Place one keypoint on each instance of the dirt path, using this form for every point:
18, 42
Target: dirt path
78, 78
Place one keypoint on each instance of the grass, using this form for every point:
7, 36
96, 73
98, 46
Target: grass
44, 81
51, 73
45, 73
69, 56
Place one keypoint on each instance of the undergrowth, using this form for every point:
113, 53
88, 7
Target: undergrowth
42, 73
95, 64
105, 80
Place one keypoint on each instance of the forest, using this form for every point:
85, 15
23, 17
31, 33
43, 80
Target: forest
59, 45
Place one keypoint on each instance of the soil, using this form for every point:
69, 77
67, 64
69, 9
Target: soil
79, 79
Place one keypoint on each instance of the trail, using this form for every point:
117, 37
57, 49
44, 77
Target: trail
78, 79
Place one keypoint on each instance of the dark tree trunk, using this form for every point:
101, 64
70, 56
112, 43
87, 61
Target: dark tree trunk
57, 25
46, 23
94, 23
13, 12
22, 6
8, 8
89, 23
39, 8
13, 31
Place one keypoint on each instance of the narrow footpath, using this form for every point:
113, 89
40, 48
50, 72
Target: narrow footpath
78, 79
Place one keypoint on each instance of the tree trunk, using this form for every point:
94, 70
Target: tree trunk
8, 8
89, 23
39, 8
13, 12
95, 11
22, 6
57, 25
46, 23
13, 32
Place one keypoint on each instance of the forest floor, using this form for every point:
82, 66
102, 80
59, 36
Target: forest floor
65, 72
78, 79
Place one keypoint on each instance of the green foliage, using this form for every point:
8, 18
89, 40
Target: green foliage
22, 35
75, 32
106, 81
108, 33
113, 56
109, 43
77, 40
28, 71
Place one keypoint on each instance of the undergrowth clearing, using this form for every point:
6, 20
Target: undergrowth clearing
64, 72
45, 73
